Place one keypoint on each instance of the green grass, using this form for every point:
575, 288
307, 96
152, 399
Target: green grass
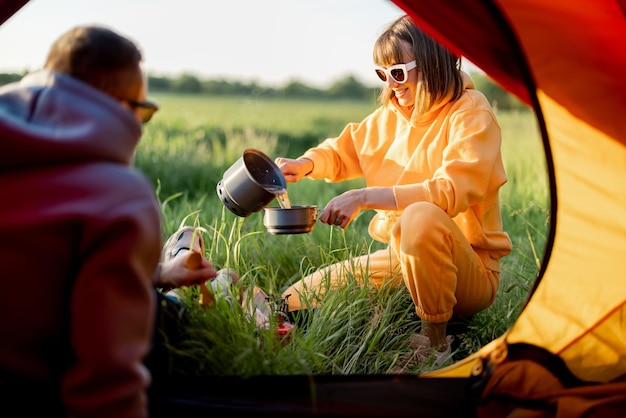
357, 330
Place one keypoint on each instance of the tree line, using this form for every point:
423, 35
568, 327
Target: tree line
349, 88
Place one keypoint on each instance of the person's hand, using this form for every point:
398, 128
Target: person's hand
294, 169
175, 273
342, 209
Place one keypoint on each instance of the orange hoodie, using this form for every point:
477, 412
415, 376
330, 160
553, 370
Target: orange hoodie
449, 156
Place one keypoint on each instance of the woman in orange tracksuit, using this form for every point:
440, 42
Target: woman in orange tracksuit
430, 156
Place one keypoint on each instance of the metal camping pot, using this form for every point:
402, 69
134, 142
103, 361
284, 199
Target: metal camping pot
293, 220
250, 183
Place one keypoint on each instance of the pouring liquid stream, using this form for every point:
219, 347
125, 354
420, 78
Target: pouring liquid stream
281, 196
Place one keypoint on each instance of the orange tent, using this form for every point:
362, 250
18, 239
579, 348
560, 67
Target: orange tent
565, 356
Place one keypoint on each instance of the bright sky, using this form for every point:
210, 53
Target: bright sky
268, 41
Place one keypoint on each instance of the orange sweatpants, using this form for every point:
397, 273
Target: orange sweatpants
427, 251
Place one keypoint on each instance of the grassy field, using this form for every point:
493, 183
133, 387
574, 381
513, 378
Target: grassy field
185, 151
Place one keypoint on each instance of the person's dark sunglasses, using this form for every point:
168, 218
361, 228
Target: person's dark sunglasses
148, 109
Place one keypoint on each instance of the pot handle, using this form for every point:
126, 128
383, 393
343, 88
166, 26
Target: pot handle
318, 212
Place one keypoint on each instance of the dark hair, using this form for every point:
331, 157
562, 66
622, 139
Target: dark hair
99, 57
441, 69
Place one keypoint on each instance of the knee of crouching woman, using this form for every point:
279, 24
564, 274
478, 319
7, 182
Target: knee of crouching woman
421, 220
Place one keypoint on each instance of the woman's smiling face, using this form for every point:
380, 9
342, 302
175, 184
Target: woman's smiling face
405, 92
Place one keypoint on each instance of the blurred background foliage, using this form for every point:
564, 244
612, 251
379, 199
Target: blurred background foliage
349, 88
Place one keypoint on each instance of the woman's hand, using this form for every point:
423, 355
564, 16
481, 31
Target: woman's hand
342, 209
294, 169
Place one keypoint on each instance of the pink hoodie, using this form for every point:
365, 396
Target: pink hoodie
80, 242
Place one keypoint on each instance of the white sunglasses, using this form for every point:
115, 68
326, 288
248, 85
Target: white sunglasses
399, 72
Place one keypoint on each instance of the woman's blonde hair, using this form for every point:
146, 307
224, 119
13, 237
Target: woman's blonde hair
441, 69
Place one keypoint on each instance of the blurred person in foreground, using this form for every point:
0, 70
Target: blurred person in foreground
81, 233
430, 157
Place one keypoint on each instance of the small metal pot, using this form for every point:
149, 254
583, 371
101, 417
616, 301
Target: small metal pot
250, 183
293, 220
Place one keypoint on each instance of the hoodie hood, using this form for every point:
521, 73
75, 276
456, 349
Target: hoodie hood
49, 118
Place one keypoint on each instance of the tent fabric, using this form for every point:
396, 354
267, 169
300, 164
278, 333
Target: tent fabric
566, 60
533, 382
314, 396
9, 7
